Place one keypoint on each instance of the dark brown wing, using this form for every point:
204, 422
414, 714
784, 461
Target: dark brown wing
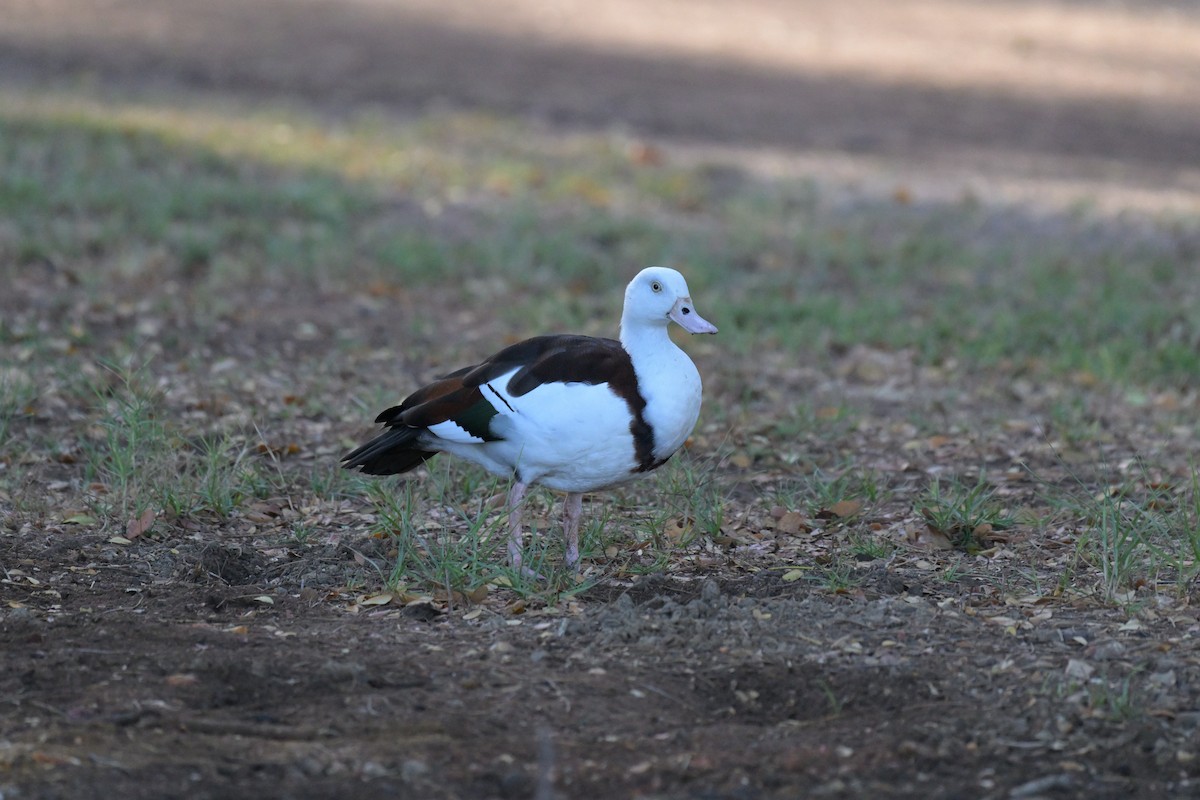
396, 450
460, 396
445, 399
558, 359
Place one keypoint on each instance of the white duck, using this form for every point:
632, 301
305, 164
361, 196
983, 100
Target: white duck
574, 413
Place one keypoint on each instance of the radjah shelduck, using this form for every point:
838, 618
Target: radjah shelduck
573, 413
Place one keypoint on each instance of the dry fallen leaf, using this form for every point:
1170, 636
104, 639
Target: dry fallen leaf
840, 510
828, 412
278, 450
136, 527
182, 679
929, 538
741, 460
53, 759
644, 153
1079, 670
677, 529
792, 522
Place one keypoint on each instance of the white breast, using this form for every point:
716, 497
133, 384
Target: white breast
572, 437
671, 385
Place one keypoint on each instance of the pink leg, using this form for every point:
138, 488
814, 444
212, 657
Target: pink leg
572, 510
515, 495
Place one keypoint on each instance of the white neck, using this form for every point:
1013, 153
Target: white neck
667, 379
644, 340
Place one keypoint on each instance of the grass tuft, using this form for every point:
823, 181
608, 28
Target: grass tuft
964, 514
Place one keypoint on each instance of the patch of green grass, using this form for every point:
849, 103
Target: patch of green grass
838, 574
1136, 533
396, 507
960, 512
218, 194
689, 487
825, 491
458, 561
224, 476
1071, 421
231, 195
133, 452
865, 547
132, 200
465, 551
1115, 699
809, 420
1116, 543
598, 530
469, 550
1180, 539
835, 702
303, 533
451, 558
458, 484
821, 491
906, 279
953, 572
144, 460
328, 480
17, 394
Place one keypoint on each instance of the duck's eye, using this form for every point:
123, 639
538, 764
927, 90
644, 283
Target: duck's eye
656, 286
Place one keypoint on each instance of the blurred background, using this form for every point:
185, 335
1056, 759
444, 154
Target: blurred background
1069, 99
1002, 184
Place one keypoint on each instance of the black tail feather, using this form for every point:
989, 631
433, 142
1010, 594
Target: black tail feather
390, 453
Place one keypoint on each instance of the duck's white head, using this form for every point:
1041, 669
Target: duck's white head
658, 295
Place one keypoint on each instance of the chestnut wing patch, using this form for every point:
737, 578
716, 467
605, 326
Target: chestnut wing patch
447, 399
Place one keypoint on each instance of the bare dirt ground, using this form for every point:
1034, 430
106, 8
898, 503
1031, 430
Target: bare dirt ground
157, 670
